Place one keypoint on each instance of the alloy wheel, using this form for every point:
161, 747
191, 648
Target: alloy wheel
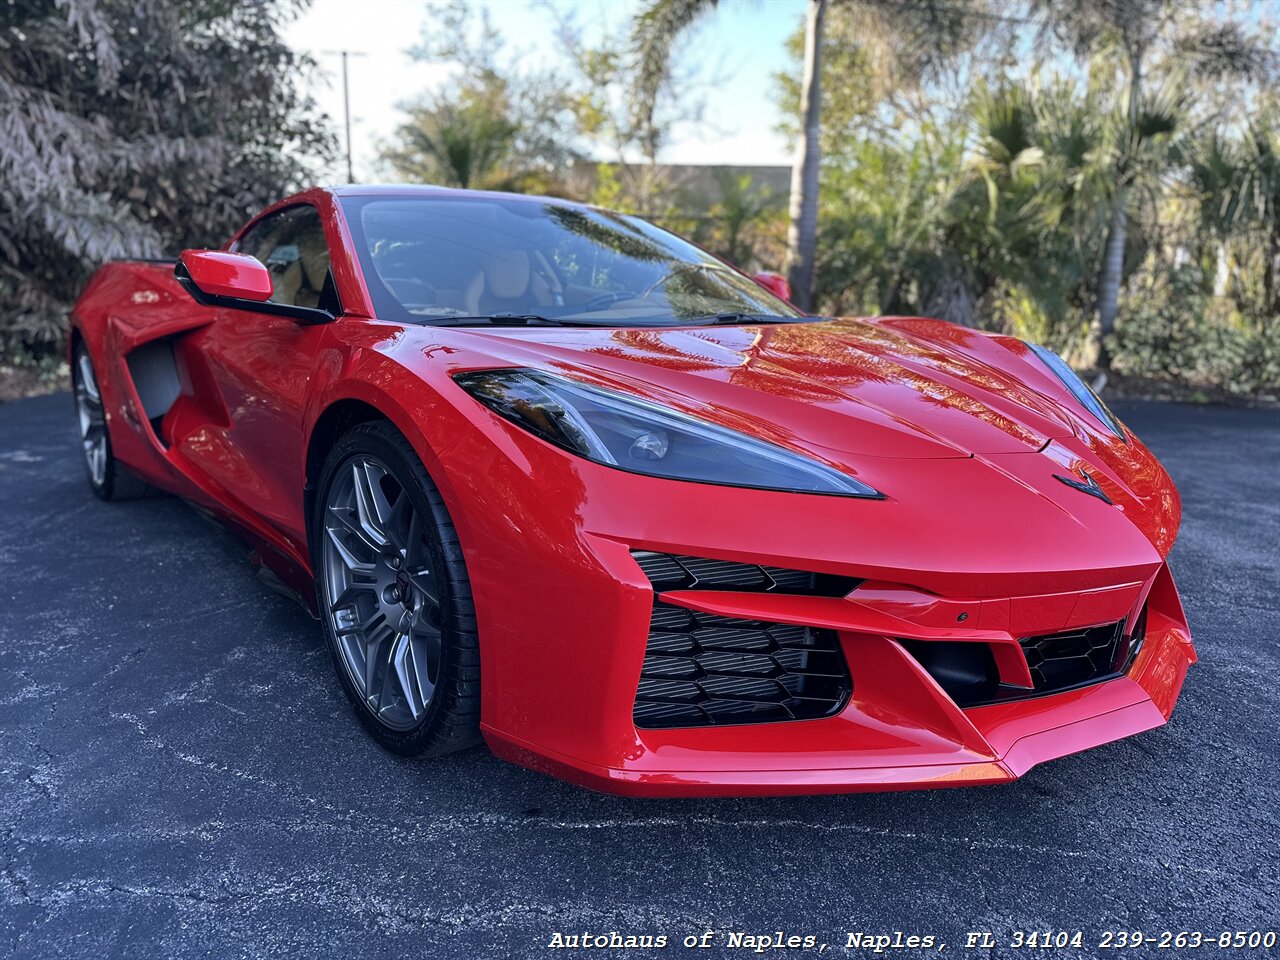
93, 424
381, 591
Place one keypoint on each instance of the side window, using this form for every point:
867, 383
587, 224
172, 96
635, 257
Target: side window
291, 245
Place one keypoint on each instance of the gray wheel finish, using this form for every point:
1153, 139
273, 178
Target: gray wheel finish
380, 591
93, 424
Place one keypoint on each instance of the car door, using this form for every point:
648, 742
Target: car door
263, 366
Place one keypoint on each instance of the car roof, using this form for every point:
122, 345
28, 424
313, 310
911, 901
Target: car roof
430, 190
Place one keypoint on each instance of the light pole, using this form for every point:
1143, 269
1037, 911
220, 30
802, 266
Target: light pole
346, 103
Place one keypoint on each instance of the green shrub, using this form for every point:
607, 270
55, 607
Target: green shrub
1173, 330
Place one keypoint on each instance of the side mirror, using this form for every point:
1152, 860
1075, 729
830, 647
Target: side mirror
775, 283
237, 281
216, 273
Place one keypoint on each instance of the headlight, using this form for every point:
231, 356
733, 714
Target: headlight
630, 434
1079, 389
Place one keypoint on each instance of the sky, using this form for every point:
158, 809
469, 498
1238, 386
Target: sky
740, 44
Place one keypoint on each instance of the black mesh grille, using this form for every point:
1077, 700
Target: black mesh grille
700, 669
1057, 662
1063, 660
669, 571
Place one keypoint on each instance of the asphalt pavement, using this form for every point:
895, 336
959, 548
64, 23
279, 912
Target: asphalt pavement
180, 775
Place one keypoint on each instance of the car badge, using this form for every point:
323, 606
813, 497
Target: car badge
1087, 485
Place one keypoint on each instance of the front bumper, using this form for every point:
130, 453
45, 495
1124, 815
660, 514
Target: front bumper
899, 729
564, 612
855, 752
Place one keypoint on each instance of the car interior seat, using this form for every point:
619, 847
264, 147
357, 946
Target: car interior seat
506, 281
302, 282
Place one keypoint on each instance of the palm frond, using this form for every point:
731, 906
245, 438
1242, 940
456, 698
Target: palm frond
654, 32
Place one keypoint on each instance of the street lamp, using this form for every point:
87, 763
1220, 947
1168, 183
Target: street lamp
346, 102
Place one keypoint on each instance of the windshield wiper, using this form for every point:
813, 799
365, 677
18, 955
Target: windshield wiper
715, 318
534, 320
494, 319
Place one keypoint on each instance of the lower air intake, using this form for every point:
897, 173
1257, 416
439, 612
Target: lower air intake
704, 670
1057, 662
1064, 660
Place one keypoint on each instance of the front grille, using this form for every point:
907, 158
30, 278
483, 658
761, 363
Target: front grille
1057, 662
669, 571
703, 670
1063, 660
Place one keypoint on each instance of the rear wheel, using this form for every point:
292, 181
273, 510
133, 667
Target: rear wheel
107, 477
394, 596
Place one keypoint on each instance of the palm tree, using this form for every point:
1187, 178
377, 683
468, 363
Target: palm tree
1236, 182
1261, 200
802, 234
921, 34
1214, 165
740, 212
454, 144
1136, 33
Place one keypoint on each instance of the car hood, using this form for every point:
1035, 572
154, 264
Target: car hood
903, 404
836, 388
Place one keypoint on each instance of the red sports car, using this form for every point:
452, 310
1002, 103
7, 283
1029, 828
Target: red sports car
551, 476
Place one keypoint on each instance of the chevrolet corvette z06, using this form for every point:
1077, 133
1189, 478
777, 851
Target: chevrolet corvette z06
552, 477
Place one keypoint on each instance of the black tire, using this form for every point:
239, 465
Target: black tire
110, 480
450, 720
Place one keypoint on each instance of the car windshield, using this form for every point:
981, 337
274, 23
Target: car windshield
451, 259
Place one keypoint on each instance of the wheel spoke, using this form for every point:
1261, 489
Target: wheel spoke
348, 579
424, 584
349, 524
402, 661
376, 627
371, 503
89, 415
88, 380
400, 524
383, 703
351, 594
95, 457
373, 659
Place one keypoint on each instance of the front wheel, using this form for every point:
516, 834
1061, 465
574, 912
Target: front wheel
393, 594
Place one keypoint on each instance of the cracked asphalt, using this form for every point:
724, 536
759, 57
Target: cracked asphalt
180, 775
